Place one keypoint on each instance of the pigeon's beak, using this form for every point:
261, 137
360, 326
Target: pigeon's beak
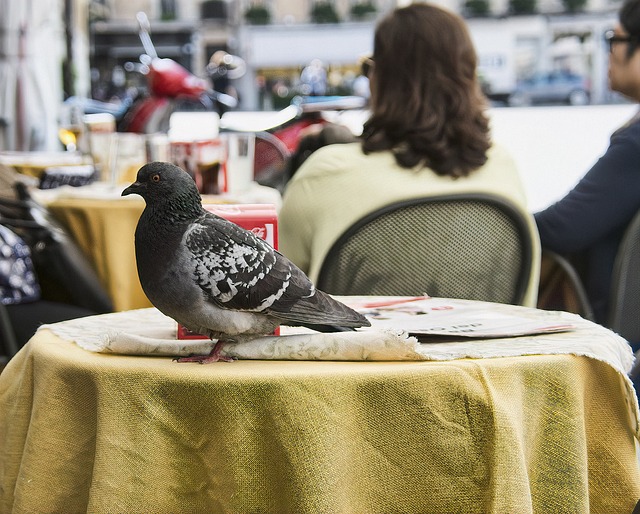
133, 189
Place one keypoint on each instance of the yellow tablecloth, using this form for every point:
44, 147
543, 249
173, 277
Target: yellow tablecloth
93, 432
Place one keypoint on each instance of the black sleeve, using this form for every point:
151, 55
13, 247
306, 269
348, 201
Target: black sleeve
604, 200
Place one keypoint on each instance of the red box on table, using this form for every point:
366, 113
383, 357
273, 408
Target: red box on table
261, 219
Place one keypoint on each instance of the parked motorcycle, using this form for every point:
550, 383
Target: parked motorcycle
280, 135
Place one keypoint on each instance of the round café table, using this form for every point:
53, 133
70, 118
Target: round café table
82, 431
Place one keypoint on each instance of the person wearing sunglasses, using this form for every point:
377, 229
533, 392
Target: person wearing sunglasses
588, 223
427, 135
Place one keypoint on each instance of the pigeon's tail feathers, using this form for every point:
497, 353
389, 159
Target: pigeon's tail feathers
321, 312
326, 328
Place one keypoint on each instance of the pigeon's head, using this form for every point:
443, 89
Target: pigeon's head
163, 181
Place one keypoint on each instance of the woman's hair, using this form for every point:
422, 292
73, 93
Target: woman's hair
629, 17
426, 102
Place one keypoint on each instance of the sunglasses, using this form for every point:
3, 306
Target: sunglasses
611, 37
366, 66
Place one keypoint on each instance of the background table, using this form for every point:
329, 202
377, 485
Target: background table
104, 229
103, 224
91, 432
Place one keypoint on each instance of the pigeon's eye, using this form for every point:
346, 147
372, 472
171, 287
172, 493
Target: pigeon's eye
155, 178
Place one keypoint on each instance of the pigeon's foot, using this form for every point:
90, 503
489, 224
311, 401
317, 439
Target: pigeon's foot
214, 355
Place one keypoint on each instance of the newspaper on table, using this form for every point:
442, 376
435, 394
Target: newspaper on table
402, 328
443, 318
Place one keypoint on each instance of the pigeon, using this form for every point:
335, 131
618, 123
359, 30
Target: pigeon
216, 278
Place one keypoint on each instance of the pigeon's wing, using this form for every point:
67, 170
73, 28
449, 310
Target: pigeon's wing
235, 268
238, 270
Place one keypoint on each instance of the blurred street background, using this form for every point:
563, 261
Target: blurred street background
542, 63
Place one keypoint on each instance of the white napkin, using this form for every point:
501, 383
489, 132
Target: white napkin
149, 332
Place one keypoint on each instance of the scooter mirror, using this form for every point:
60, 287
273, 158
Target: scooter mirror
143, 21
145, 28
226, 100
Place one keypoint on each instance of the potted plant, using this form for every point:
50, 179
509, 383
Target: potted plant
324, 12
476, 8
523, 6
257, 15
363, 10
574, 6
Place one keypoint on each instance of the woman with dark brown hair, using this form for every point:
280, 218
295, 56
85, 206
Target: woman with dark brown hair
426, 103
427, 135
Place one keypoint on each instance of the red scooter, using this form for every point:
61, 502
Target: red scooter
170, 88
173, 88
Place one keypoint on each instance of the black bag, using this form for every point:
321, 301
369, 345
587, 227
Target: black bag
64, 273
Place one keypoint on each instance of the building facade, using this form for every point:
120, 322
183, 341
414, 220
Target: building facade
278, 38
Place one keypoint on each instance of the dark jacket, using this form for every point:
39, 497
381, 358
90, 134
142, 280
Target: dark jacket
590, 220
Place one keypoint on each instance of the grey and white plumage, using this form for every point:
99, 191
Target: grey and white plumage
214, 277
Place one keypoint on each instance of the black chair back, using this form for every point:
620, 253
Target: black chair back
473, 246
624, 302
8, 344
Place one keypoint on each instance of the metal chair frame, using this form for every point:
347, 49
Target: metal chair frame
564, 281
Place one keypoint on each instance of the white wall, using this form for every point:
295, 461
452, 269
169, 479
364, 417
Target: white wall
292, 45
555, 146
